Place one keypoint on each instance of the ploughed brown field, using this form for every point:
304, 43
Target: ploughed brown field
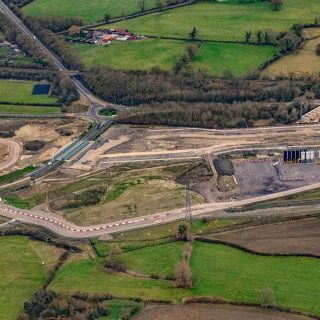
290, 237
211, 312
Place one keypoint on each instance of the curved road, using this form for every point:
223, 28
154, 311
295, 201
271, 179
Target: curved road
59, 225
14, 151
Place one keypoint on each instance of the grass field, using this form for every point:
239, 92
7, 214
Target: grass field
133, 55
239, 59
224, 21
22, 272
147, 260
217, 270
214, 58
89, 11
18, 109
21, 92
120, 309
304, 61
15, 174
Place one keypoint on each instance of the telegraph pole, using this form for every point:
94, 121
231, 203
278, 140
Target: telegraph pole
188, 216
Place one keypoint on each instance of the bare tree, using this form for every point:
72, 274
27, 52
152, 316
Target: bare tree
183, 275
142, 5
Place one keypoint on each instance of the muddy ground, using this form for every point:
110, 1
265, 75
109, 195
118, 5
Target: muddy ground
211, 312
291, 237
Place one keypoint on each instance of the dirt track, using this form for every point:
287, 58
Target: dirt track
211, 312
291, 237
14, 151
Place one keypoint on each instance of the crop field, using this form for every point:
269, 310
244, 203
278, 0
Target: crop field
19, 109
291, 237
89, 11
22, 272
214, 58
211, 312
304, 61
223, 21
21, 92
218, 271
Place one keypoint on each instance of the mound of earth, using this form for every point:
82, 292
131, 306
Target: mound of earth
34, 145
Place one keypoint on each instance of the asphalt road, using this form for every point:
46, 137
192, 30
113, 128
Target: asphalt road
59, 225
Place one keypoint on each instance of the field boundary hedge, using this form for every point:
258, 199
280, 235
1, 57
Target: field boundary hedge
28, 104
134, 15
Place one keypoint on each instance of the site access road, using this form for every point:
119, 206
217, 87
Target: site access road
65, 228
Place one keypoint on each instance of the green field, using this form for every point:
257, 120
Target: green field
15, 175
21, 92
146, 260
217, 270
22, 272
89, 11
142, 55
18, 109
224, 21
214, 58
121, 309
239, 59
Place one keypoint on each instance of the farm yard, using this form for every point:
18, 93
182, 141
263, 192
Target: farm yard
214, 22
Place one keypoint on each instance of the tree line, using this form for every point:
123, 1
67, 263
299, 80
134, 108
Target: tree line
212, 115
133, 88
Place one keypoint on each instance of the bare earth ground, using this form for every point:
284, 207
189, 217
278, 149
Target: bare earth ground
132, 140
3, 151
259, 178
28, 130
211, 312
291, 237
10, 151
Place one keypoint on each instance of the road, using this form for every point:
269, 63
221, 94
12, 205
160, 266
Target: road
62, 227
22, 27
